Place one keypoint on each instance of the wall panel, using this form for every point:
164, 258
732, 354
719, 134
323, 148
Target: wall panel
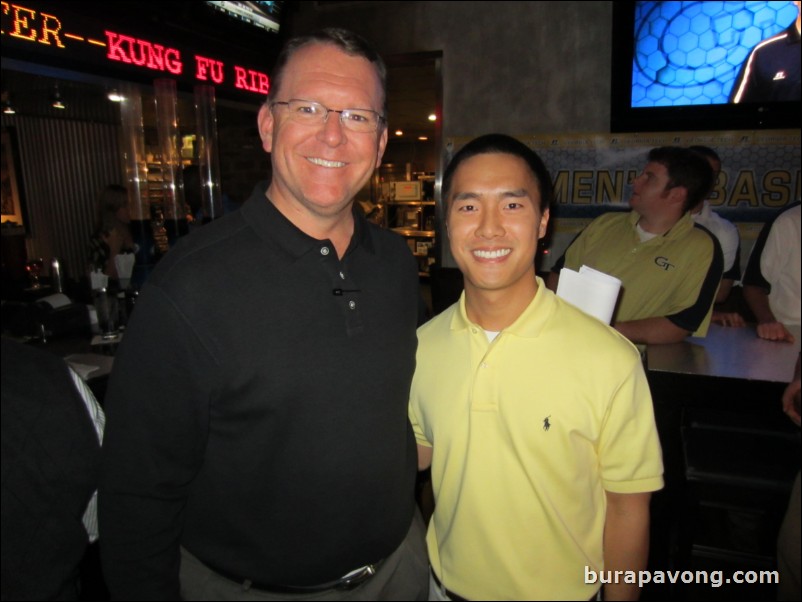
64, 165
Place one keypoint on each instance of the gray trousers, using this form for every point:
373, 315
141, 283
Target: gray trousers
404, 575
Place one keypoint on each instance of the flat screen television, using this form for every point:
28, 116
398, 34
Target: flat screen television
262, 14
675, 65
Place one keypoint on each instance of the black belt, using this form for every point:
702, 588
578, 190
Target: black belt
448, 592
344, 583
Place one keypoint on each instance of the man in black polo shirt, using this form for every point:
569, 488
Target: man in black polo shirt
258, 443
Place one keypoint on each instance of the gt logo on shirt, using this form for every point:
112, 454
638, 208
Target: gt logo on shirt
663, 262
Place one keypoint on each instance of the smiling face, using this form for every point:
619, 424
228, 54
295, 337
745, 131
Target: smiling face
318, 169
494, 223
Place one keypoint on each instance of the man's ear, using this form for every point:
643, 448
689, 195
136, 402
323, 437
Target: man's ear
381, 147
544, 224
266, 122
678, 195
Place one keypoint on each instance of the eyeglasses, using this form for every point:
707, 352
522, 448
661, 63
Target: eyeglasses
308, 112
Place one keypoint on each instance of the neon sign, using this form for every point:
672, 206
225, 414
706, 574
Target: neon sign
143, 53
27, 25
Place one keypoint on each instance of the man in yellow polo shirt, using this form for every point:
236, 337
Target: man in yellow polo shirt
669, 267
535, 418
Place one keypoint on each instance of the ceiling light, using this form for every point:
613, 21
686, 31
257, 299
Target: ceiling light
56, 100
115, 96
432, 117
424, 138
399, 133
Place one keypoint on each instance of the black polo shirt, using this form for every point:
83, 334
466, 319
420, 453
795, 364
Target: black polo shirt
257, 411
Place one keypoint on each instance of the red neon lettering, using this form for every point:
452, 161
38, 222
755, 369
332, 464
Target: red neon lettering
264, 83
172, 61
116, 52
155, 57
142, 58
50, 26
143, 53
21, 23
204, 66
239, 78
201, 67
246, 79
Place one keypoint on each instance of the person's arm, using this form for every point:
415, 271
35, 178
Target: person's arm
157, 410
626, 540
767, 262
791, 396
424, 457
424, 448
726, 318
757, 298
651, 331
724, 290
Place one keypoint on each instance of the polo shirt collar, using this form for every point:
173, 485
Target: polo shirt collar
678, 230
276, 230
528, 325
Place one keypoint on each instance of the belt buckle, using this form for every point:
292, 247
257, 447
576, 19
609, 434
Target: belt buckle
355, 580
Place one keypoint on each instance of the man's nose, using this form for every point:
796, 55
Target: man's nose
331, 131
490, 224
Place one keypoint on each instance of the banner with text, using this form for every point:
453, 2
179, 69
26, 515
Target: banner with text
592, 173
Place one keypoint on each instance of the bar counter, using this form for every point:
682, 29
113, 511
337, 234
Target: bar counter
730, 382
728, 352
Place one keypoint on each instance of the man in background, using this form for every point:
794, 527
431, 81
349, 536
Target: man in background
670, 269
535, 417
772, 278
52, 432
258, 442
728, 238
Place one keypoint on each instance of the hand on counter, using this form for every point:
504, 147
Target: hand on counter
726, 318
774, 331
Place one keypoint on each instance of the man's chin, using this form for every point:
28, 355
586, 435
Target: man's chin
328, 206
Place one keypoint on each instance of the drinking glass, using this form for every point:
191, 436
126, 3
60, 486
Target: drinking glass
34, 268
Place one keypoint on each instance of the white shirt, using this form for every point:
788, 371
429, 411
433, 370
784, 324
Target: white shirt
780, 266
99, 422
724, 230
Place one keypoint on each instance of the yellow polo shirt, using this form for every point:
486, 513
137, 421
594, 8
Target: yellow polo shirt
675, 275
527, 433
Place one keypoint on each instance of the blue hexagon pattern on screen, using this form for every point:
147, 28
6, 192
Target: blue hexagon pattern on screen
689, 53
